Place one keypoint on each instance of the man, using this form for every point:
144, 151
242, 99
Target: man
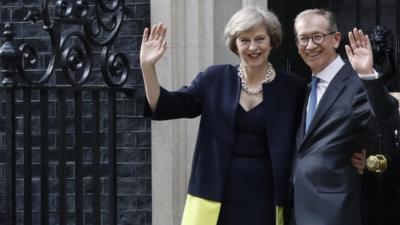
345, 99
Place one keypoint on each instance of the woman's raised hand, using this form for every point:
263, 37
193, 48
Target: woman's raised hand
153, 45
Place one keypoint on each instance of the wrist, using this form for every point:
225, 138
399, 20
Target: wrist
371, 76
147, 66
366, 72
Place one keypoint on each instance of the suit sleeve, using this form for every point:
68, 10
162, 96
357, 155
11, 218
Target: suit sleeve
386, 112
375, 108
183, 103
383, 106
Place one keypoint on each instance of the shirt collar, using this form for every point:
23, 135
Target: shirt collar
329, 72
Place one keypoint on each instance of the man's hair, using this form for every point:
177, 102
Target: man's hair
328, 15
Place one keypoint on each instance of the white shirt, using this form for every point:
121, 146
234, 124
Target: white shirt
328, 73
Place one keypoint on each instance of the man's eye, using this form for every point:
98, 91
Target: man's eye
303, 39
318, 37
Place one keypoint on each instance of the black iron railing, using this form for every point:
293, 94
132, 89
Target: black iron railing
50, 111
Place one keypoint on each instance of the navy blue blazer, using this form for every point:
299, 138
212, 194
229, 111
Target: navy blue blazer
214, 94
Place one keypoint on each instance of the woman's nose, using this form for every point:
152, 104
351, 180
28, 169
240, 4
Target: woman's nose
253, 45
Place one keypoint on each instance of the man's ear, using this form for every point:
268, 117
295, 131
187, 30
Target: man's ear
337, 38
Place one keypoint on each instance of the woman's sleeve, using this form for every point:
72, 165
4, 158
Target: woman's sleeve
184, 103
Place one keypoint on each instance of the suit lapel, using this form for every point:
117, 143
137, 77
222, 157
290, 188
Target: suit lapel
333, 91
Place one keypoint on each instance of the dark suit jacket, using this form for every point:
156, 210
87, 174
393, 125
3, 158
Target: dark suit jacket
214, 94
326, 186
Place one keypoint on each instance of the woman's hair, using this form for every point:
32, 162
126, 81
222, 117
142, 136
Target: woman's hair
249, 18
328, 15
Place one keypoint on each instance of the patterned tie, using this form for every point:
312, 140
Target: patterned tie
312, 104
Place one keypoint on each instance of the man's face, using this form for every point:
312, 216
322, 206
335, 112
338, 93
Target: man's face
316, 55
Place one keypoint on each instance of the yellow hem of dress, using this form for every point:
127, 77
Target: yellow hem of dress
200, 211
279, 215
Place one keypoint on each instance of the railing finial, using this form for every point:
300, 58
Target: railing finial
9, 57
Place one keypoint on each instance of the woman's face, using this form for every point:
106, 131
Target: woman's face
254, 47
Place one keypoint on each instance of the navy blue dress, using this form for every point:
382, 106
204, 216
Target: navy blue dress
248, 197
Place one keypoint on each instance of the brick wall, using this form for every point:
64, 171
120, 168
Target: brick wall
134, 158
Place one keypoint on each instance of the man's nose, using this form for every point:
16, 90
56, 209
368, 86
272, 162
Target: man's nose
310, 44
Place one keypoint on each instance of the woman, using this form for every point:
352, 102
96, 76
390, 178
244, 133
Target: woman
249, 115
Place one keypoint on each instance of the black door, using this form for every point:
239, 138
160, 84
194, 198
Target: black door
381, 192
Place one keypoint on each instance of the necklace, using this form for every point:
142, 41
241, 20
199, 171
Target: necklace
269, 76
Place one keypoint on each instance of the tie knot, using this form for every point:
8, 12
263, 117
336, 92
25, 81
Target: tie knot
314, 82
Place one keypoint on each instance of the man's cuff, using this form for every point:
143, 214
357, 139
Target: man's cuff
372, 76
